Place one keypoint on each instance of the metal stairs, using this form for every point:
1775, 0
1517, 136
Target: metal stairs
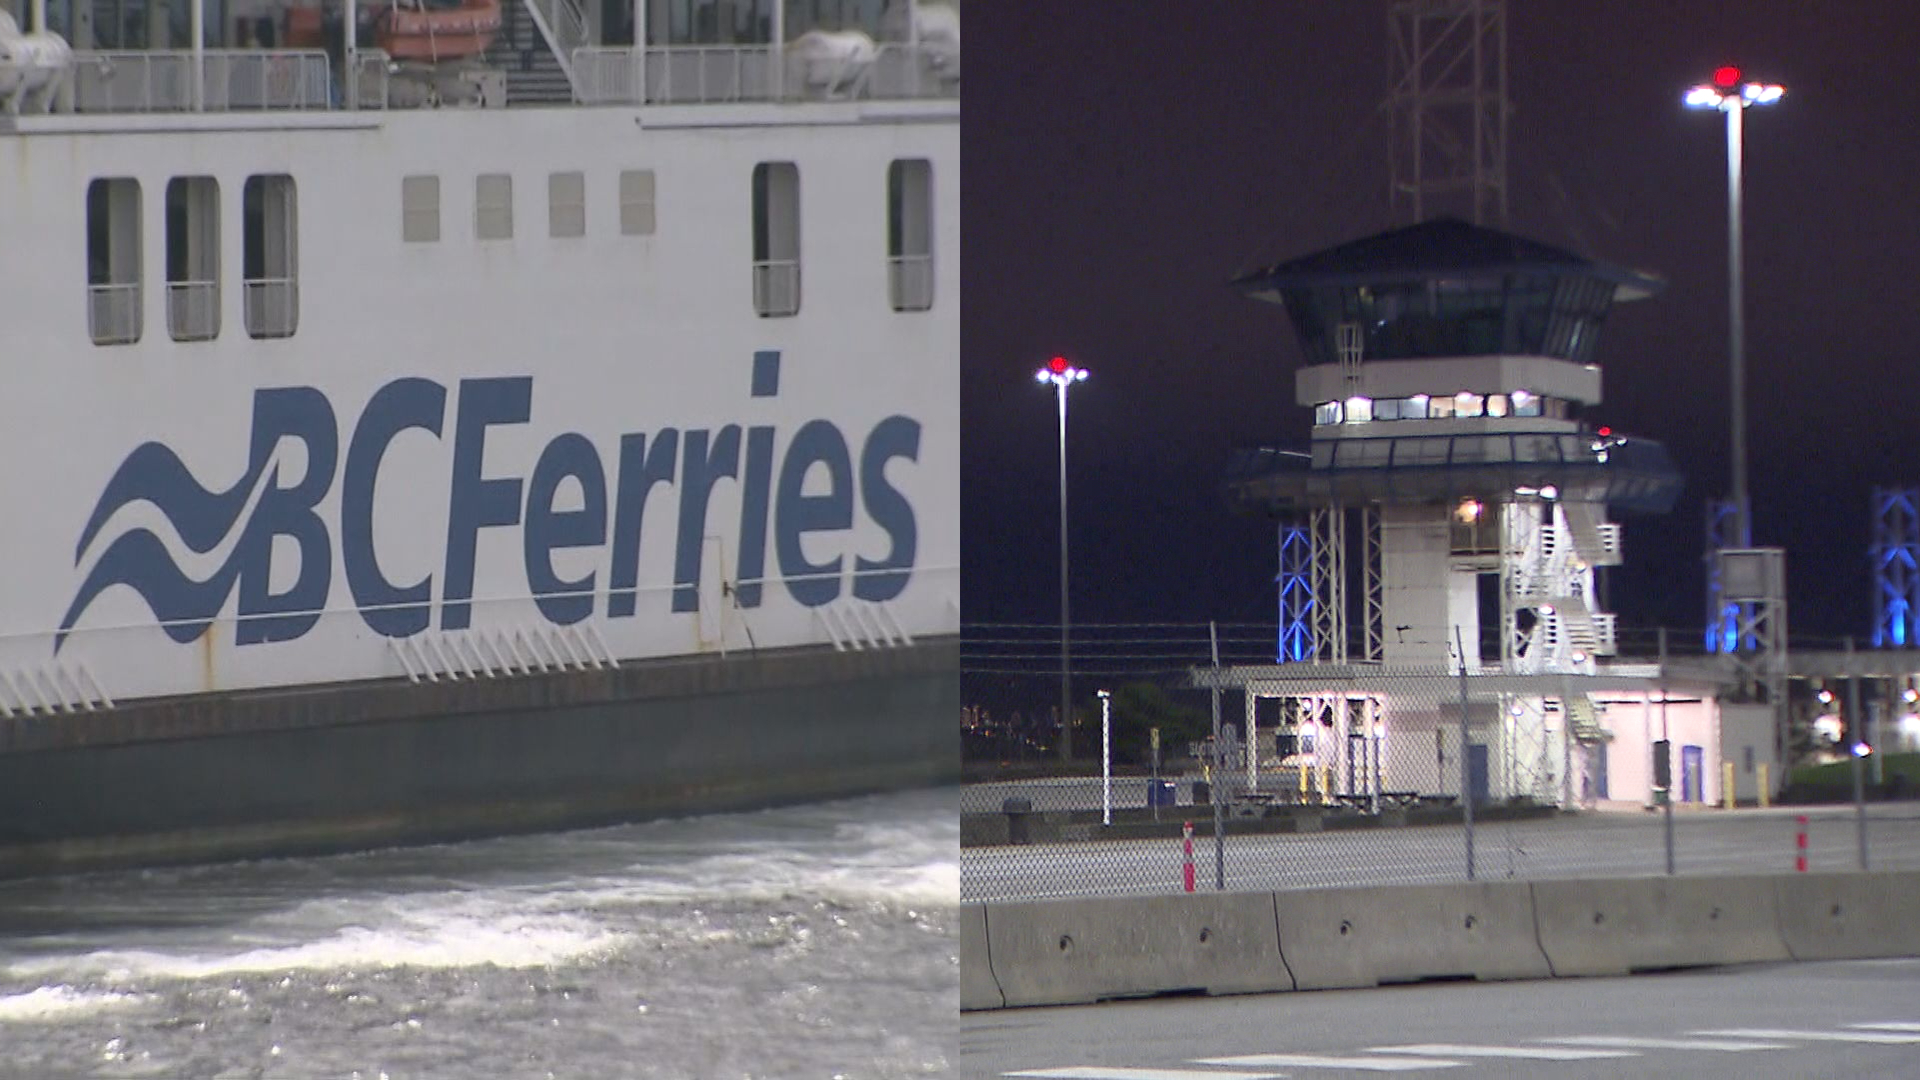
534, 74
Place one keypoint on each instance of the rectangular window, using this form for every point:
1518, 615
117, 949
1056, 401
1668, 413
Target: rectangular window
1327, 412
776, 239
193, 258
113, 261
566, 204
636, 202
493, 207
910, 235
270, 251
1440, 408
420, 209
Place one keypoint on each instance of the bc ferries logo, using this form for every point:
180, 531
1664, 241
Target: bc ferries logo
186, 548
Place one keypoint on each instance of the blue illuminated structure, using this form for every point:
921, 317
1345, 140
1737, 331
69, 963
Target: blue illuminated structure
1296, 591
1896, 567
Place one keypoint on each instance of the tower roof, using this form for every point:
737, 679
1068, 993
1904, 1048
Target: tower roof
1439, 248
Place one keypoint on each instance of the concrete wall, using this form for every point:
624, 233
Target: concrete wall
1080, 951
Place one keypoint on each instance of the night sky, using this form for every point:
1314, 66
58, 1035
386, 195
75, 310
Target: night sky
1124, 161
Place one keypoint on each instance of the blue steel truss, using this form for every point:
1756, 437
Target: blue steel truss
1896, 567
1296, 591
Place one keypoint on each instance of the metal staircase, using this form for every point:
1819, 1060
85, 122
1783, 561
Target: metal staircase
535, 75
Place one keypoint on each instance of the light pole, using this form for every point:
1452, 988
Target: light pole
1731, 94
1063, 375
1106, 758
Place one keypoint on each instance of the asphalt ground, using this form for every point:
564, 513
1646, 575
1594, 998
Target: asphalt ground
1755, 1022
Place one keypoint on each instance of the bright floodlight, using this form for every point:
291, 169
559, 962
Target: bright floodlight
1060, 373
1728, 91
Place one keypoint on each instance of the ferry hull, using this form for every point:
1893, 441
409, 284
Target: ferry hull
350, 768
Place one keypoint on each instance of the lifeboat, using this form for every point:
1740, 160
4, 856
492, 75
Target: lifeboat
436, 31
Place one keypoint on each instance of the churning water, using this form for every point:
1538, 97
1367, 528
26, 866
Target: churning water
804, 942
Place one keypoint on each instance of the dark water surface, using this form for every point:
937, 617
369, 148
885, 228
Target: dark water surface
805, 942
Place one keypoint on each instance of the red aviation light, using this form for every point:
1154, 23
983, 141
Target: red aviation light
1727, 77
1605, 432
1057, 365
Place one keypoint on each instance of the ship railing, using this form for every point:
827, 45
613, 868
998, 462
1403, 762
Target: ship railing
719, 74
113, 313
910, 282
193, 310
708, 74
272, 307
776, 287
161, 80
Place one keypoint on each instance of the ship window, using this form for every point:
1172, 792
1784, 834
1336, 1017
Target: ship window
270, 253
636, 202
420, 209
493, 207
567, 204
193, 258
1327, 412
776, 238
113, 261
910, 235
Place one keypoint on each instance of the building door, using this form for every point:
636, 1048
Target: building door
1477, 771
1692, 772
1597, 771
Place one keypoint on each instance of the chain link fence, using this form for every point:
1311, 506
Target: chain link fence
1337, 775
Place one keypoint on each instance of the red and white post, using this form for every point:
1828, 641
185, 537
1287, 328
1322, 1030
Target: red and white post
1186, 872
1800, 844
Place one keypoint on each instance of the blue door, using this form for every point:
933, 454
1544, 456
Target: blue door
1477, 771
1693, 762
1597, 771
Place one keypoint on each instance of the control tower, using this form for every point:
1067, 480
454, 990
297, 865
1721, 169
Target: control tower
1449, 366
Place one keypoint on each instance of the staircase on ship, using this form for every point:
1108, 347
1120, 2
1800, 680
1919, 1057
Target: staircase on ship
534, 74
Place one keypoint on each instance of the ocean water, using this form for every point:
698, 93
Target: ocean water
803, 942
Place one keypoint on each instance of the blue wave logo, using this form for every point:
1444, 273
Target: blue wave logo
205, 526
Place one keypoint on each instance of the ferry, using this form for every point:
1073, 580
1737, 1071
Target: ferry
445, 418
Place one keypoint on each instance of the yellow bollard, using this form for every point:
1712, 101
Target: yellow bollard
1305, 784
1326, 779
1726, 784
1766, 790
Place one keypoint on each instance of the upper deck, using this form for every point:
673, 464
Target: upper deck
278, 56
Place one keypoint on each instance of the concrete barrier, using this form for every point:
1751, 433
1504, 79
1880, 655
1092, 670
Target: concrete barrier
978, 990
1062, 952
1850, 916
1335, 938
1615, 927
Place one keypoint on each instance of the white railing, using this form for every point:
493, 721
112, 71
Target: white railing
193, 310
113, 313
702, 74
161, 80
776, 287
910, 282
273, 306
609, 75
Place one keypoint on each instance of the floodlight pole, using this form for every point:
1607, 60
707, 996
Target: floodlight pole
1062, 375
1731, 94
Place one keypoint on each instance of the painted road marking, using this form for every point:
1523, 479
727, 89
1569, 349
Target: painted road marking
1101, 1072
1536, 1053
1321, 1061
1815, 1036
1629, 1042
1889, 1025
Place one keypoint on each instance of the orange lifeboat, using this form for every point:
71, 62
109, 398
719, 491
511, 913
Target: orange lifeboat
435, 31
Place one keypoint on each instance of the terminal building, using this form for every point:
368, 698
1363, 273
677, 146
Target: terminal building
1447, 519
